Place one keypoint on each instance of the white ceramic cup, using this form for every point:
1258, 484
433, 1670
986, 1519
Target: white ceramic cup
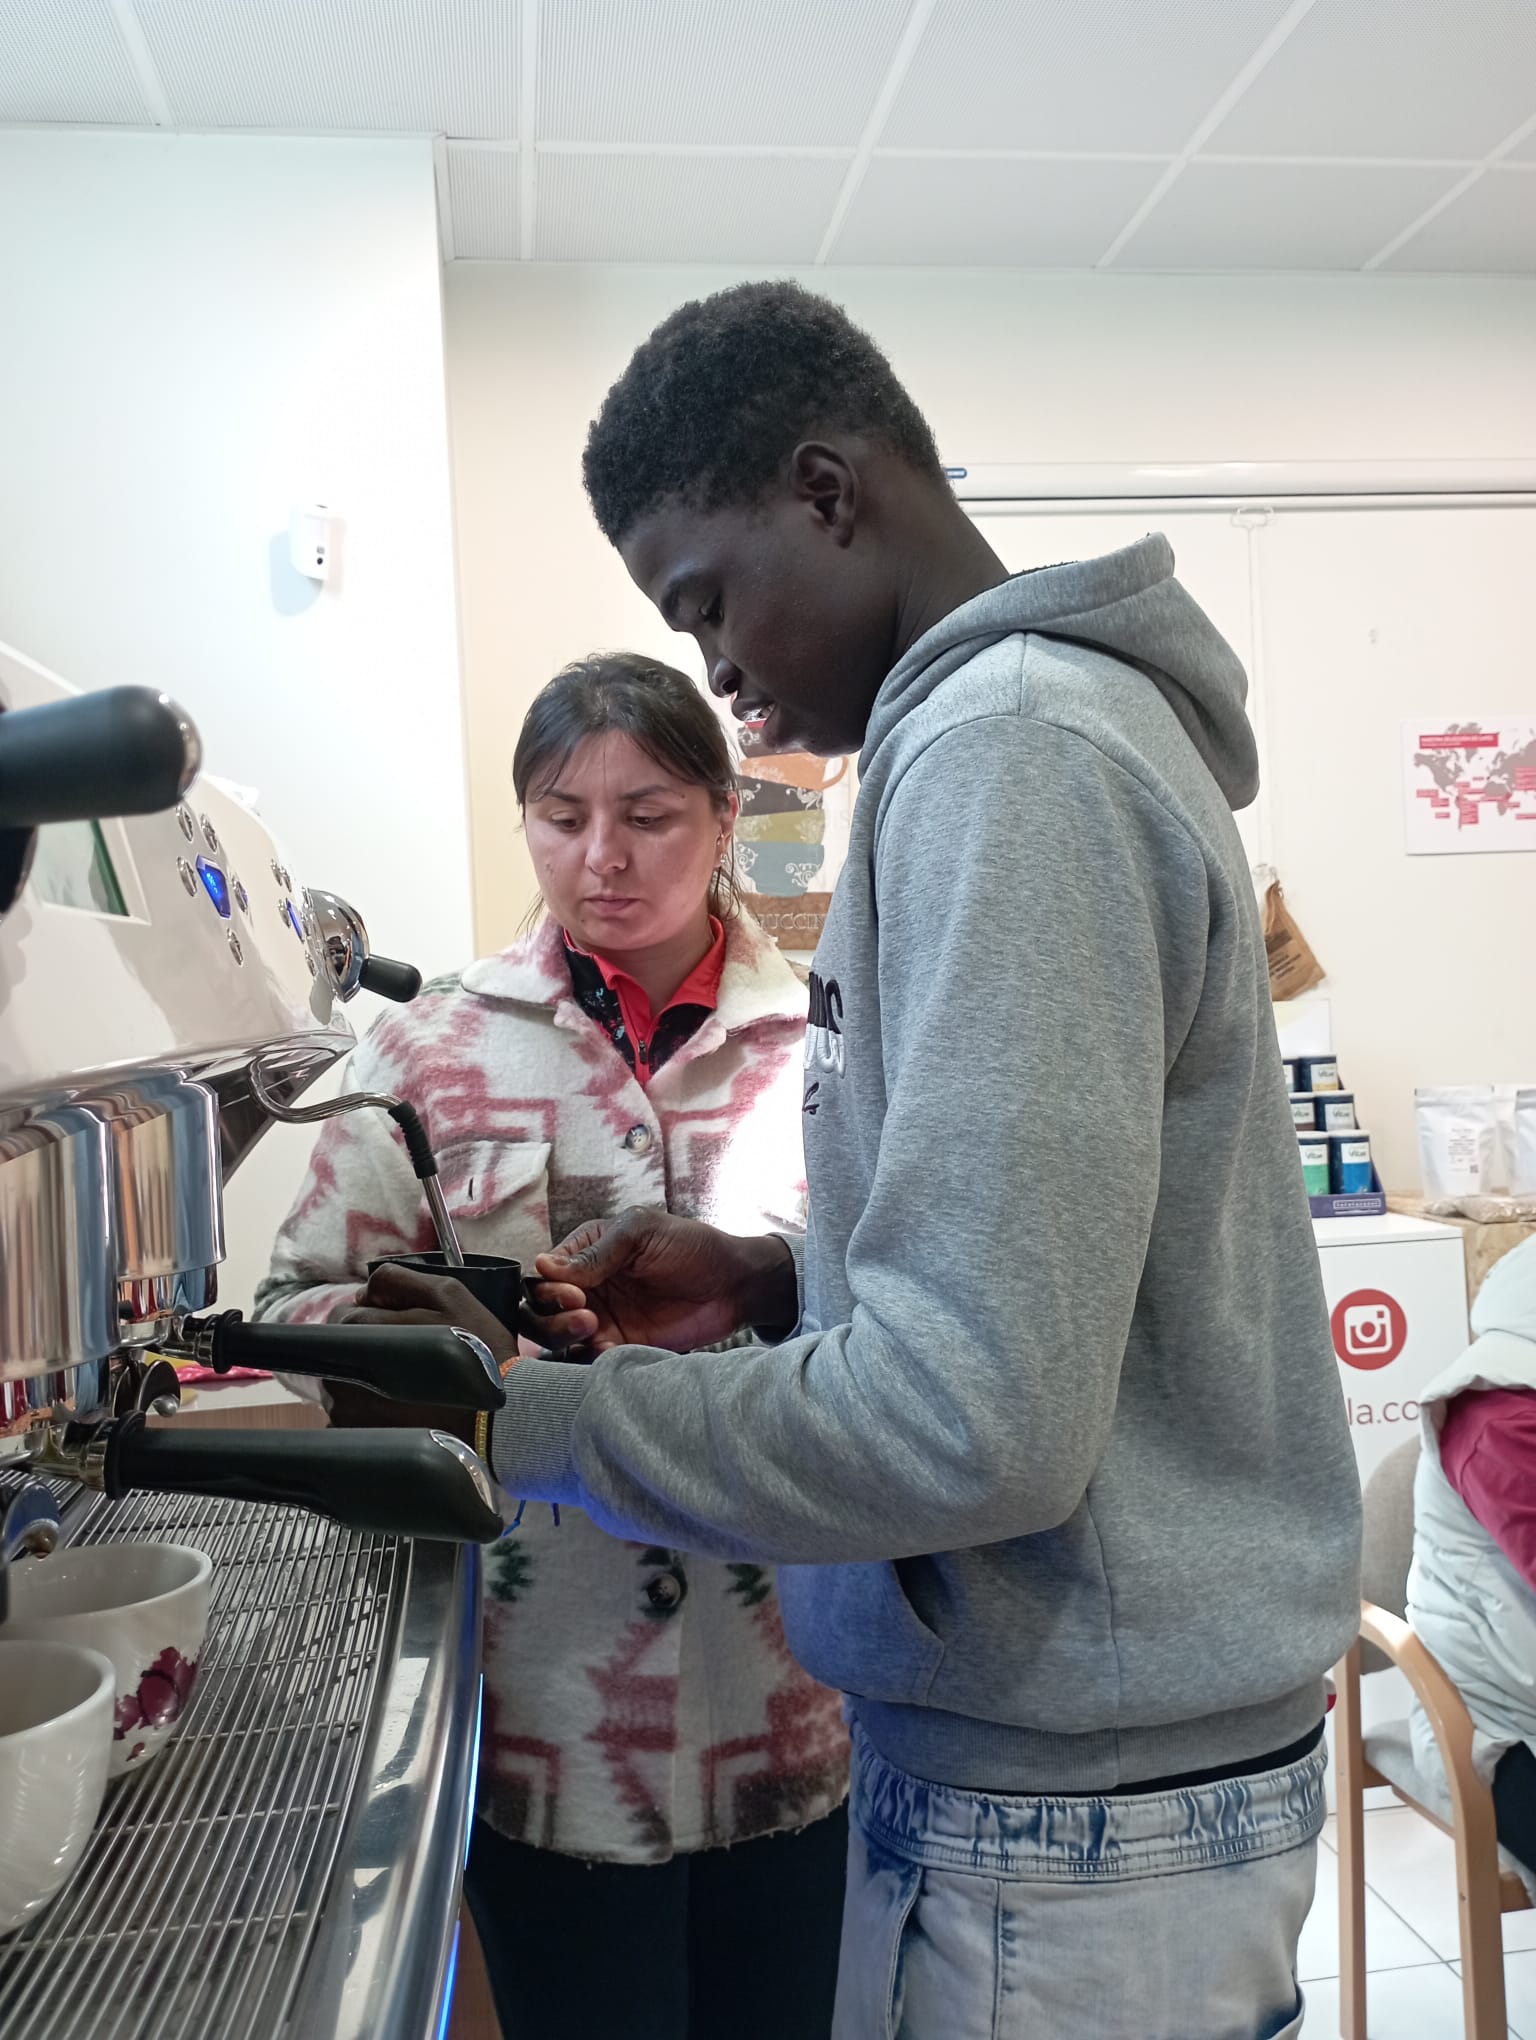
55, 1746
144, 1606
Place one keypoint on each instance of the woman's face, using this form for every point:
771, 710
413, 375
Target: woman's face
623, 849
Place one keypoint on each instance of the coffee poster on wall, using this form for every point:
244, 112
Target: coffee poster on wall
791, 840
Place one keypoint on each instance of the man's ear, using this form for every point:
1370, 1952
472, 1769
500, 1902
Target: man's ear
826, 483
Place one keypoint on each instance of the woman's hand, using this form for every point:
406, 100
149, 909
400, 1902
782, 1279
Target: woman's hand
652, 1279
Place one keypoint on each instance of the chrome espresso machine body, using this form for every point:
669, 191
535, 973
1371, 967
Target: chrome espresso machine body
165, 984
167, 987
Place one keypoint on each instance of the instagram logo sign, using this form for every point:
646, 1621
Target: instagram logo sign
1369, 1329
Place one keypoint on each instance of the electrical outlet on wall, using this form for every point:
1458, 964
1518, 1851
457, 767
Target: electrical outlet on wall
312, 541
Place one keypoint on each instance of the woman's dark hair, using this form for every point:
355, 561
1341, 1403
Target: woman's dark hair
662, 713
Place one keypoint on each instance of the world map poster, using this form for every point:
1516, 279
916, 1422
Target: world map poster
1470, 785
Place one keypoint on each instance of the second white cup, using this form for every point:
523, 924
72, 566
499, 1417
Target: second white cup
144, 1606
55, 1744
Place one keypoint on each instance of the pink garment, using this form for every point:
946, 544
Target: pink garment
1488, 1454
193, 1377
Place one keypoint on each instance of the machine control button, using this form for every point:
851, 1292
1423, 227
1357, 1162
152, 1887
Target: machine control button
665, 1592
188, 875
184, 817
638, 1140
242, 897
210, 835
216, 885
234, 947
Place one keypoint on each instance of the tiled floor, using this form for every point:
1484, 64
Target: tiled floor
1410, 1938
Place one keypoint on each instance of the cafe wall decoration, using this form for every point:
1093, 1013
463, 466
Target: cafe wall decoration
791, 840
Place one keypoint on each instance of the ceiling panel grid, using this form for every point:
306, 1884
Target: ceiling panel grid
1398, 78
1120, 75
1048, 134
351, 66
65, 60
613, 208
485, 199
1281, 215
792, 73
1489, 228
1025, 214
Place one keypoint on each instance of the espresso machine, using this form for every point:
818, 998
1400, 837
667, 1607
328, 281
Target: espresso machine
168, 987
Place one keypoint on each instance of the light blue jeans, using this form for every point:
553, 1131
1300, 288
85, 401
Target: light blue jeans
1160, 1916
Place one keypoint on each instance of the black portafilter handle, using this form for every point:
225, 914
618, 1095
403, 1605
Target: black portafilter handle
387, 979
407, 1363
394, 1483
123, 751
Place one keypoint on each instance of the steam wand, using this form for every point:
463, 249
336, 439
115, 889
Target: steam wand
405, 1116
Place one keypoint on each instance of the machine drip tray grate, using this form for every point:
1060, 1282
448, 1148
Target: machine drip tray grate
196, 1906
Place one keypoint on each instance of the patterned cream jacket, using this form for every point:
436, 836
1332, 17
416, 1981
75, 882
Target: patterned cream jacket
639, 1703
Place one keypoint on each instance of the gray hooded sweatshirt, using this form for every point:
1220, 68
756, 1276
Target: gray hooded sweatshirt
1056, 1461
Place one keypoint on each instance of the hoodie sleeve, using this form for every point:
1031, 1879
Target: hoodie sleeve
1042, 926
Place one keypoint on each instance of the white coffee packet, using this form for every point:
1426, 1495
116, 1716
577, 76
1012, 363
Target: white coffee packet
1522, 1173
1460, 1152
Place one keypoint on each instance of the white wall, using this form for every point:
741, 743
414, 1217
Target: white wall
1100, 368
197, 333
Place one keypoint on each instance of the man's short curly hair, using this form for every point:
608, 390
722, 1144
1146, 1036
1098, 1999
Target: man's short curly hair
711, 406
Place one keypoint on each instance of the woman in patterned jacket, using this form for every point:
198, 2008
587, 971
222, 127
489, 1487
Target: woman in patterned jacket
660, 1835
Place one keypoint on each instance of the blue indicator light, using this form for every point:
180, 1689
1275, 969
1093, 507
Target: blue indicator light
215, 884
294, 922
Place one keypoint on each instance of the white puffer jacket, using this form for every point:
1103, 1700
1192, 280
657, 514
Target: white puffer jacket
1467, 1601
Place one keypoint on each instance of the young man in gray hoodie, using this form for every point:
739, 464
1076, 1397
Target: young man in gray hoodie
1043, 1421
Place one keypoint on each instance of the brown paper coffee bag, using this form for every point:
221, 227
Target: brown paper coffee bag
1293, 969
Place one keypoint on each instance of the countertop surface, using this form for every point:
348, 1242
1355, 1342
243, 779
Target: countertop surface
1392, 1229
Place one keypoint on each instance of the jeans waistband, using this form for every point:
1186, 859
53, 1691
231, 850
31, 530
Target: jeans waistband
1082, 1840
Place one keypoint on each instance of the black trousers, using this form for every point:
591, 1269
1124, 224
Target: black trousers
1514, 1803
726, 1944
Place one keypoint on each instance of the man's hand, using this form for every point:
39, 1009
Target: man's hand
655, 1280
407, 1296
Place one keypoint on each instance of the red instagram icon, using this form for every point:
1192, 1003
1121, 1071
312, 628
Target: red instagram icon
1369, 1329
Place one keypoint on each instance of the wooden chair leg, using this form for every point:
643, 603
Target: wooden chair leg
1478, 1896
1349, 1765
1480, 1922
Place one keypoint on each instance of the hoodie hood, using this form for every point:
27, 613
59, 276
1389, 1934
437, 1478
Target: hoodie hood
1126, 604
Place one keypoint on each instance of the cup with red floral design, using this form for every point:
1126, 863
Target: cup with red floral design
144, 1606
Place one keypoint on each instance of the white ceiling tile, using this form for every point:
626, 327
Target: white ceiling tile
483, 192
1063, 74
1392, 78
1280, 216
1490, 228
990, 214
684, 208
801, 73
63, 60
424, 66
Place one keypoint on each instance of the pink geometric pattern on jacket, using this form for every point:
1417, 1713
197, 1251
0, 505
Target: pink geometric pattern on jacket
639, 1702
